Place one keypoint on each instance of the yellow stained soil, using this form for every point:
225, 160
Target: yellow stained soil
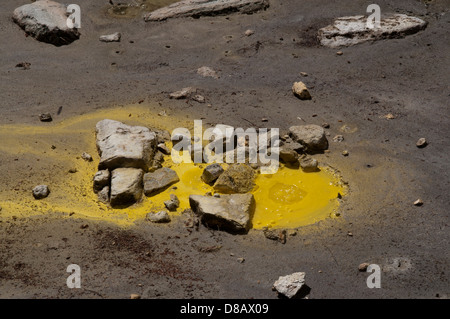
290, 198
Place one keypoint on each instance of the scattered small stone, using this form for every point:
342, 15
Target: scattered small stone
53, 147
23, 65
350, 234
249, 32
301, 91
41, 191
173, 203
199, 98
87, 157
241, 260
389, 116
309, 164
206, 71
339, 53
115, 37
363, 267
303, 74
45, 117
422, 142
135, 296
211, 173
162, 113
264, 119
338, 138
216, 195
288, 286
84, 226
345, 153
418, 202
73, 170
159, 217
326, 125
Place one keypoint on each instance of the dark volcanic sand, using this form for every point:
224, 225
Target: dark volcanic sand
385, 170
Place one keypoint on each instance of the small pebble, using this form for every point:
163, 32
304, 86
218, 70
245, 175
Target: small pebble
363, 267
241, 260
249, 32
45, 117
339, 53
418, 202
422, 142
135, 296
345, 153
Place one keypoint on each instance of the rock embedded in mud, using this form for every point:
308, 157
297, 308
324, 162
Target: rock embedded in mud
347, 31
46, 21
231, 213
159, 217
114, 37
126, 186
311, 136
41, 191
290, 285
159, 180
211, 173
301, 91
121, 145
275, 234
197, 8
101, 179
238, 178
173, 203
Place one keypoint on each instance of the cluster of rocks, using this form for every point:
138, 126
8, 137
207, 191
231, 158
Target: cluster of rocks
130, 163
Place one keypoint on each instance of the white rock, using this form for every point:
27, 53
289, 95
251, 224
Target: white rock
290, 285
46, 21
115, 37
121, 145
206, 71
197, 8
159, 217
41, 191
126, 186
347, 31
231, 213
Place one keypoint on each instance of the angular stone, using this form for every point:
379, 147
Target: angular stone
290, 285
126, 186
173, 203
311, 136
231, 213
211, 173
301, 91
121, 145
86, 156
101, 179
288, 155
159, 217
309, 164
159, 180
238, 178
41, 191
206, 71
196, 8
46, 21
103, 195
347, 31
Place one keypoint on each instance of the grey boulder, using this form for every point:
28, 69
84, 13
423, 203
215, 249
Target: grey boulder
126, 186
46, 21
121, 145
311, 136
231, 213
159, 180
